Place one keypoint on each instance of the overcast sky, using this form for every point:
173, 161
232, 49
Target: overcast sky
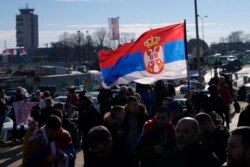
136, 16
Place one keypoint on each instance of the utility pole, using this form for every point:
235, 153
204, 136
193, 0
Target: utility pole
197, 41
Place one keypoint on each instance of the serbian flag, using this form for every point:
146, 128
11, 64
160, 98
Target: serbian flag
157, 54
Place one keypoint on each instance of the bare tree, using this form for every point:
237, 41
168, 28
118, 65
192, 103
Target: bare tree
66, 42
100, 35
126, 37
112, 44
78, 42
88, 45
247, 38
223, 40
236, 36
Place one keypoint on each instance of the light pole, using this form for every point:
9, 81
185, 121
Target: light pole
78, 45
202, 26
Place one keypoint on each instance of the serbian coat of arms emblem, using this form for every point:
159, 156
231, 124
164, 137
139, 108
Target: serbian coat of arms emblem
153, 56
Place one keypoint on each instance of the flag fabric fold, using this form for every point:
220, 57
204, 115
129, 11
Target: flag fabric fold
157, 54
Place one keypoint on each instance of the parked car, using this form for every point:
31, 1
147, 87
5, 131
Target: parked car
175, 82
12, 91
231, 64
7, 129
225, 58
196, 78
65, 91
182, 101
60, 99
184, 87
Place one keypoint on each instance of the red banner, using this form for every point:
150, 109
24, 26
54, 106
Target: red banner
113, 24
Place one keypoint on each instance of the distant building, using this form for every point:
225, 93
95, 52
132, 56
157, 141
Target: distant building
27, 28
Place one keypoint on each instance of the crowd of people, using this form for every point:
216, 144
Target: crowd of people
145, 127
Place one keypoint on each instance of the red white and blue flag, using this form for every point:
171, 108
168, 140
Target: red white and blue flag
15, 52
8, 52
157, 54
113, 25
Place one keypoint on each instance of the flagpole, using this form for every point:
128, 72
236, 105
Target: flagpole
186, 53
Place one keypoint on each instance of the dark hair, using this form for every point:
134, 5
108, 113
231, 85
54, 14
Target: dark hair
203, 117
161, 110
72, 89
48, 100
57, 112
132, 98
244, 133
98, 134
84, 98
213, 90
175, 105
115, 109
54, 122
130, 89
46, 94
207, 107
58, 106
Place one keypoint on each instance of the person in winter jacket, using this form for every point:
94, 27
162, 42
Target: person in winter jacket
238, 148
190, 151
88, 117
206, 107
51, 145
214, 137
218, 105
105, 98
135, 117
103, 151
244, 118
113, 121
157, 140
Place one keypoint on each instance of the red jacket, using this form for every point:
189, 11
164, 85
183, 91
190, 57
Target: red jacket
151, 126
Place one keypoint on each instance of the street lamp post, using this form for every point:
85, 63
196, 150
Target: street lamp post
78, 45
202, 26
